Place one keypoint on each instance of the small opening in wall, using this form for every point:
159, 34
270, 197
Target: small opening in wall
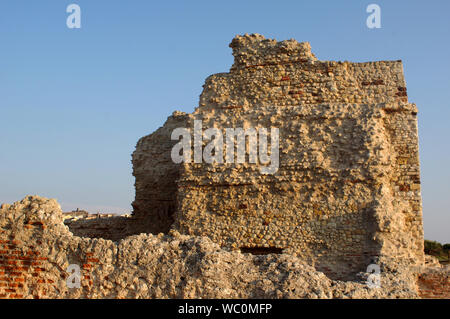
261, 250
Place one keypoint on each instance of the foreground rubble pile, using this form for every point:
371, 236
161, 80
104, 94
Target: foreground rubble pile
37, 249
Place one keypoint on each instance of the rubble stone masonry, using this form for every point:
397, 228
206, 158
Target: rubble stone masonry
346, 195
348, 186
36, 249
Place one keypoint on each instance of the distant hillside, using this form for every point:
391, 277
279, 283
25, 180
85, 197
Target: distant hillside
438, 250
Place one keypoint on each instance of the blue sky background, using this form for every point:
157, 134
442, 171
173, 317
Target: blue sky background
73, 103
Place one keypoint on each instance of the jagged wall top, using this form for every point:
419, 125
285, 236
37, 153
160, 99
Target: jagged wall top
255, 49
268, 73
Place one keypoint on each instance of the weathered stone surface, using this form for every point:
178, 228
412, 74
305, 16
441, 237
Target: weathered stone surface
156, 174
346, 194
434, 282
37, 248
107, 227
347, 190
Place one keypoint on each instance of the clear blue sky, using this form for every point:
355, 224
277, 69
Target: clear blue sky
73, 103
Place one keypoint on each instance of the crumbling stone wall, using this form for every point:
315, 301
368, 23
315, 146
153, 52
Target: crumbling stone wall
434, 283
346, 194
108, 227
36, 249
156, 176
348, 187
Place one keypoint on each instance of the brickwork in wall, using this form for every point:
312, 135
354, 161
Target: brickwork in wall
16, 268
434, 284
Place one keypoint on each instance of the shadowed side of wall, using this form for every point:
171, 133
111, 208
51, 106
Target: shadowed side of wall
112, 228
155, 179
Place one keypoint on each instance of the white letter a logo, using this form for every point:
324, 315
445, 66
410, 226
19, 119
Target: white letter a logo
373, 20
73, 20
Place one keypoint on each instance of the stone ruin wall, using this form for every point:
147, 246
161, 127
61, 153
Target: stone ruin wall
434, 284
36, 249
348, 186
155, 172
347, 191
107, 226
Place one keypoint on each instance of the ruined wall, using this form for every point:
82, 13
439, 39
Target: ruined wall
348, 187
108, 227
36, 249
155, 175
435, 283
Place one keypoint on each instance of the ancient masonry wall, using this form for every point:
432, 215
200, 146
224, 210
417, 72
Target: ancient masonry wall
434, 284
348, 187
346, 194
36, 249
107, 227
156, 176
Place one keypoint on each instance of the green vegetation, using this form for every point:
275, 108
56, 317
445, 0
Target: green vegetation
441, 252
